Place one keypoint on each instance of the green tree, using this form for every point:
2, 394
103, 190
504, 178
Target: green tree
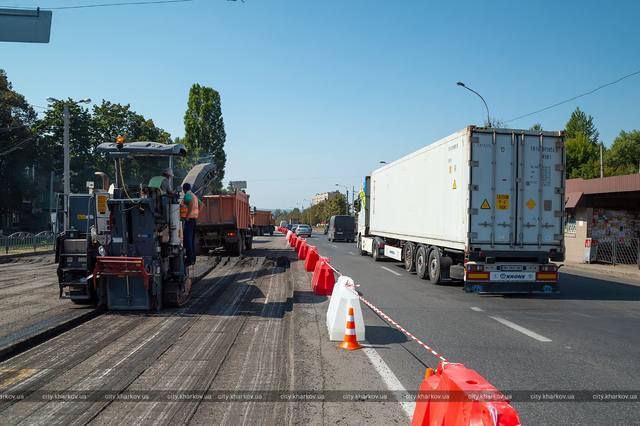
581, 123
81, 148
624, 155
537, 127
582, 146
204, 130
112, 119
17, 150
582, 158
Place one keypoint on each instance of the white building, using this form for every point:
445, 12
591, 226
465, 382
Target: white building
323, 196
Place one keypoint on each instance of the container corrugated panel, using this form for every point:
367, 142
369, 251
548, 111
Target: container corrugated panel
225, 210
489, 189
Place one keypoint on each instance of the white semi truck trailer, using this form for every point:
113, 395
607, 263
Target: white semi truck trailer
484, 206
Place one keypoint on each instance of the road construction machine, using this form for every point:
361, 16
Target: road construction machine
124, 250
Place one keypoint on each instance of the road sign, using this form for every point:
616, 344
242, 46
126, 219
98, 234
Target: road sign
26, 26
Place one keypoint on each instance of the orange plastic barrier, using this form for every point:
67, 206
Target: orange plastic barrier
323, 279
298, 243
311, 259
293, 240
302, 250
458, 396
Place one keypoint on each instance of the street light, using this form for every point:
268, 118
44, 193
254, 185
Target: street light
346, 188
383, 162
461, 84
66, 176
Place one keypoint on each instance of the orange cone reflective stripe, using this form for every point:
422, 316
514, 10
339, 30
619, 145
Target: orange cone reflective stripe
350, 341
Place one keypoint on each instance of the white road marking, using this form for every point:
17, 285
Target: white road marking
391, 270
389, 378
475, 308
521, 329
333, 245
352, 253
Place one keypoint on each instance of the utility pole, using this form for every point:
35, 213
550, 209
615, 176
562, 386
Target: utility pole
51, 207
601, 163
66, 174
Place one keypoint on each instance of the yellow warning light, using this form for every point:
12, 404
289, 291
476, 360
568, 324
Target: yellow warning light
120, 139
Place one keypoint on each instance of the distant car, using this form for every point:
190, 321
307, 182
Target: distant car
303, 230
342, 227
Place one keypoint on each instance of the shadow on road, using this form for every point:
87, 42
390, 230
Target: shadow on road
577, 287
384, 335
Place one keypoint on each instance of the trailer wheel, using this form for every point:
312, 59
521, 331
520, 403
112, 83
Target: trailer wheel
362, 252
421, 262
375, 254
434, 266
408, 251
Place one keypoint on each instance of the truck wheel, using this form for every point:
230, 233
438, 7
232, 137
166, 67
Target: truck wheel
375, 254
421, 262
434, 266
408, 255
362, 252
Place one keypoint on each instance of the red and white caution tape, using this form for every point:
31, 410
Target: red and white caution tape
390, 320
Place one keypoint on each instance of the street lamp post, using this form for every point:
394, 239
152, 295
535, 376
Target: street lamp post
66, 176
461, 84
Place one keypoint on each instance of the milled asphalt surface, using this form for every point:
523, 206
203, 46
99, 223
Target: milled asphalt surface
593, 325
30, 302
251, 325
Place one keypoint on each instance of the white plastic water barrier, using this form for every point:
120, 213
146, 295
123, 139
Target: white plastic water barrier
343, 297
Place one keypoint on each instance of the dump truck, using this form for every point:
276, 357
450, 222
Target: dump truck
484, 206
224, 223
262, 222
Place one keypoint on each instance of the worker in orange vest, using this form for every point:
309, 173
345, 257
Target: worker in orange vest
189, 210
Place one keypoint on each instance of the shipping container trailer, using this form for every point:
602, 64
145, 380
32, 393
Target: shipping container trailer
482, 205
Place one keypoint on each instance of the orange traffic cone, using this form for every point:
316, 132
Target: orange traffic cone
350, 341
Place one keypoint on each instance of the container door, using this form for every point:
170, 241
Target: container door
493, 190
540, 193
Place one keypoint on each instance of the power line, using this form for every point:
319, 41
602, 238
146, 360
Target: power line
128, 3
575, 97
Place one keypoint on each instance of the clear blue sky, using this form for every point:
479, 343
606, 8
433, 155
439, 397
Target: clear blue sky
318, 92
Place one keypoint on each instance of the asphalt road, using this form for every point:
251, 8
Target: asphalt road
252, 327
587, 338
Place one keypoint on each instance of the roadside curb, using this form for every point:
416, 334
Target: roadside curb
23, 345
586, 271
6, 258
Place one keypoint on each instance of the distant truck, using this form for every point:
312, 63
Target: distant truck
484, 206
224, 223
262, 222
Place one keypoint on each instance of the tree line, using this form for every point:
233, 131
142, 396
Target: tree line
31, 147
312, 215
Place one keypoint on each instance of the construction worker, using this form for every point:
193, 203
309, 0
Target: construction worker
190, 209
